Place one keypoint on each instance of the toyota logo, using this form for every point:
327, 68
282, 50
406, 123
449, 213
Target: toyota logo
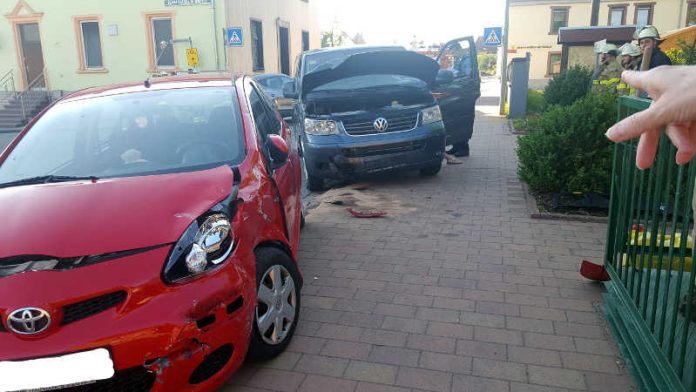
381, 124
28, 321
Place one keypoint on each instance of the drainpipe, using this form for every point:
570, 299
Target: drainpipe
682, 5
594, 18
215, 36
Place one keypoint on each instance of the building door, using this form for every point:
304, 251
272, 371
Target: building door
32, 54
284, 36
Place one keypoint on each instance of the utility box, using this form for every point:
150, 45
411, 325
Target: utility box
518, 83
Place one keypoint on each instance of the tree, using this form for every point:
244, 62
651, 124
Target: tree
331, 38
358, 39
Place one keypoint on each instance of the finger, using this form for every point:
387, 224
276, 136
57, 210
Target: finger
641, 80
635, 125
681, 136
647, 148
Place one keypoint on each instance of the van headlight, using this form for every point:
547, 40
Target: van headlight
431, 114
320, 127
205, 244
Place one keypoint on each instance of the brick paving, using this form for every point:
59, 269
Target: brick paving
461, 292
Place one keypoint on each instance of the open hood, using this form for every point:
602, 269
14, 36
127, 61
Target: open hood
75, 219
386, 62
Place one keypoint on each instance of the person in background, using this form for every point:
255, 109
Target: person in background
609, 72
631, 57
649, 37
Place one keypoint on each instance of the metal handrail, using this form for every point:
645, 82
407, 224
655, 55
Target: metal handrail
7, 82
38, 81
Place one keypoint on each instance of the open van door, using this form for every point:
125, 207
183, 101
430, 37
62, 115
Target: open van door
458, 91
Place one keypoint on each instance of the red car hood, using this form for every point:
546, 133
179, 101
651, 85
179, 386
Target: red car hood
84, 218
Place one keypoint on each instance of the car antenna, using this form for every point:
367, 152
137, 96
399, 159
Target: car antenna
147, 83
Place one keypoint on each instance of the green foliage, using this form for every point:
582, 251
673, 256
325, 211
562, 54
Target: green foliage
568, 86
535, 101
685, 54
487, 63
565, 149
331, 38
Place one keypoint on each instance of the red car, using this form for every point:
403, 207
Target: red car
149, 238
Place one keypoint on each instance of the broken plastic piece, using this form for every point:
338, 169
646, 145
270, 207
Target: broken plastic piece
367, 214
594, 271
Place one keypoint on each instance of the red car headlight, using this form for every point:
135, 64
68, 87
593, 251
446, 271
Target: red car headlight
205, 244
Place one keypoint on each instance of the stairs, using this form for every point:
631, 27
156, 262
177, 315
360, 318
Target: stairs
11, 113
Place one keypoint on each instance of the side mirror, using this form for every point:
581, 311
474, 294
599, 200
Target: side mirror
444, 76
278, 150
290, 90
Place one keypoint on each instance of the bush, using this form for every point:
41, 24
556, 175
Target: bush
685, 54
569, 86
535, 102
565, 149
487, 63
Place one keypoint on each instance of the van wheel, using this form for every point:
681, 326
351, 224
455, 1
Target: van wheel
431, 170
277, 304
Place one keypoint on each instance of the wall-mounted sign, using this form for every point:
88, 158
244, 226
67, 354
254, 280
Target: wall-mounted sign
192, 57
174, 3
234, 37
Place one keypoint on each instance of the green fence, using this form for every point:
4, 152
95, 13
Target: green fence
650, 302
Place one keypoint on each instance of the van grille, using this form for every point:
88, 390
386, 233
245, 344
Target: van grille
365, 125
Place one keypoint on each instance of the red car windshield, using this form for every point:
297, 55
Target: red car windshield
158, 131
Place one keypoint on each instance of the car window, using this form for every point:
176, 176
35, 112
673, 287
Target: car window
457, 58
264, 116
131, 134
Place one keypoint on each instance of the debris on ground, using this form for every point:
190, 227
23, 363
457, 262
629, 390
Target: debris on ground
593, 271
367, 214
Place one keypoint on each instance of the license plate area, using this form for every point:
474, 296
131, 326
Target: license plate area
69, 369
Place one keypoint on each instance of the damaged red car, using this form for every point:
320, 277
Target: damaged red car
149, 238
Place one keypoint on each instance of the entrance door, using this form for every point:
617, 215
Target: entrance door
284, 36
32, 55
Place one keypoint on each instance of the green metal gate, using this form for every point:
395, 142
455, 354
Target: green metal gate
650, 299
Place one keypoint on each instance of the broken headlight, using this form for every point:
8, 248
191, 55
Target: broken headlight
431, 114
205, 244
320, 127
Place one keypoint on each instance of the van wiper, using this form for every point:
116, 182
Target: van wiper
46, 179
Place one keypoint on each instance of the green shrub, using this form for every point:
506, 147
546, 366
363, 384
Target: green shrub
487, 63
535, 101
565, 149
684, 54
569, 86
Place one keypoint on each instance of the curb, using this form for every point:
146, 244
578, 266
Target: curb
534, 212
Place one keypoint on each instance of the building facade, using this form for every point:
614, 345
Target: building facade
534, 25
69, 45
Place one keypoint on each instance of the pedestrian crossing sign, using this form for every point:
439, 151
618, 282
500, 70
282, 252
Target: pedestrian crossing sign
234, 37
492, 36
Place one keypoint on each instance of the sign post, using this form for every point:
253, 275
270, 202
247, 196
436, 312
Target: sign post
503, 74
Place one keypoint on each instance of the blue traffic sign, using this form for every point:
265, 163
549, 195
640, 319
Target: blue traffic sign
234, 37
492, 36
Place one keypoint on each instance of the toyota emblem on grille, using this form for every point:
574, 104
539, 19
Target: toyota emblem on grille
28, 321
381, 124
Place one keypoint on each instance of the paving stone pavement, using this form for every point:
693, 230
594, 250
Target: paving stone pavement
461, 292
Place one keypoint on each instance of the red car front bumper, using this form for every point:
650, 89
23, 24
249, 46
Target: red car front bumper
190, 336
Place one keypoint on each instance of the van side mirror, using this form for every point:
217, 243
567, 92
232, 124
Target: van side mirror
290, 90
278, 150
444, 76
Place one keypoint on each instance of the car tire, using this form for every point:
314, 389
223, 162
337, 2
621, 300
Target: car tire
315, 184
302, 220
431, 170
278, 285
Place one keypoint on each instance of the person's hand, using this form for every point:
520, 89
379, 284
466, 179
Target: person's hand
673, 90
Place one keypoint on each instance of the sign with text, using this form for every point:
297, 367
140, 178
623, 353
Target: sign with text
192, 57
492, 36
174, 3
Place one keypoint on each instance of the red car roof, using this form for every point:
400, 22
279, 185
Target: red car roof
160, 83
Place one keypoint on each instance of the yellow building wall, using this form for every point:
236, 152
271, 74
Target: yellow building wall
529, 32
126, 55
296, 15
530, 25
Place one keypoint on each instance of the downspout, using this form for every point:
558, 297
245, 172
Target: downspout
681, 14
594, 16
215, 36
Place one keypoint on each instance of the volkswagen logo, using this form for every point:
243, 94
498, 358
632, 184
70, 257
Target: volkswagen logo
381, 124
28, 321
